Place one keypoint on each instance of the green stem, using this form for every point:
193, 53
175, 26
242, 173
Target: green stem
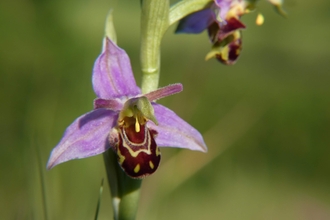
125, 191
154, 23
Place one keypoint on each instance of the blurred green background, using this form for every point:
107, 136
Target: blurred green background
266, 120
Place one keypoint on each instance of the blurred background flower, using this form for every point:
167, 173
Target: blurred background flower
265, 120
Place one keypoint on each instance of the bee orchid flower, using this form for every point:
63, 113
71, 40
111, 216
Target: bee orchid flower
130, 123
222, 20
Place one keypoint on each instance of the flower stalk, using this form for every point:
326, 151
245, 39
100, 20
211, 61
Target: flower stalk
124, 190
154, 23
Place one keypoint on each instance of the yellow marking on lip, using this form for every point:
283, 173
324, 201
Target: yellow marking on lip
136, 153
137, 168
137, 125
151, 165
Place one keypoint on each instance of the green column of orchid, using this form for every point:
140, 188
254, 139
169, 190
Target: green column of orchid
124, 190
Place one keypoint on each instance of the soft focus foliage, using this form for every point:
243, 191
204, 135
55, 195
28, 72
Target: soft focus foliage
266, 120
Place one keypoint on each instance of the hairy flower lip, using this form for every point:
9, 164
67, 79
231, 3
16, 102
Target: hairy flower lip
114, 84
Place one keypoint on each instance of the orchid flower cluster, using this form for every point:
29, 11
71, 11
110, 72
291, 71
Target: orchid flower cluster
126, 122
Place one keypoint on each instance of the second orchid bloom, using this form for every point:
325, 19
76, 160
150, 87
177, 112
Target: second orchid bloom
123, 119
222, 21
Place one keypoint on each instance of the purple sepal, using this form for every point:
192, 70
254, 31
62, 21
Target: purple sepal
173, 131
112, 73
196, 23
85, 137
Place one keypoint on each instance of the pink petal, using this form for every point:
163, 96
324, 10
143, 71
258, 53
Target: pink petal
173, 131
86, 136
